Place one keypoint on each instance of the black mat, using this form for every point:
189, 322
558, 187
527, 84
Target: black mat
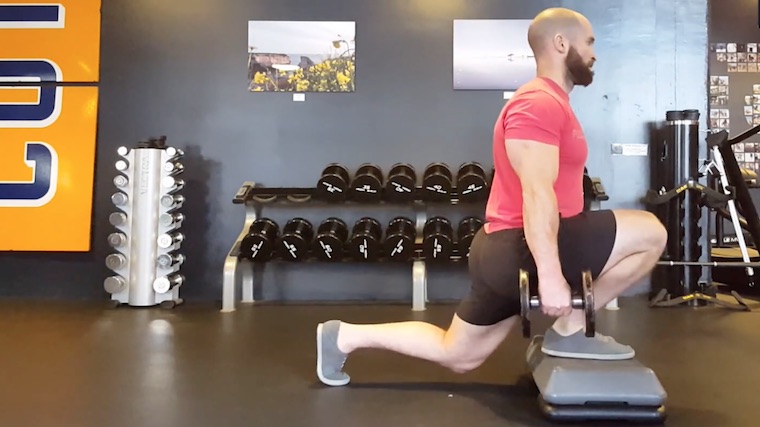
80, 364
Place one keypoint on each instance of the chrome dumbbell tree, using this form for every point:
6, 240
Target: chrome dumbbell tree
145, 262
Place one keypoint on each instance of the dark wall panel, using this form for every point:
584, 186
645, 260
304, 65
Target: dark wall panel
178, 69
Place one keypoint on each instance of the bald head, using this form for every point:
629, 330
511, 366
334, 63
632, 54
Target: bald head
562, 41
553, 26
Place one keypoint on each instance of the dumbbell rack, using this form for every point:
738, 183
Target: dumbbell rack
147, 219
238, 271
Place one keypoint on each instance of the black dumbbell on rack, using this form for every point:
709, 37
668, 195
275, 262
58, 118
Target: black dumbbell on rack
401, 186
438, 239
472, 183
332, 235
259, 243
437, 182
296, 239
333, 183
466, 231
367, 185
366, 239
400, 237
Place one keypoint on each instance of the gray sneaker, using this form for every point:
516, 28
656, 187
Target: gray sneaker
579, 346
330, 359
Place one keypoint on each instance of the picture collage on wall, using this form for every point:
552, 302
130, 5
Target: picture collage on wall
719, 117
735, 94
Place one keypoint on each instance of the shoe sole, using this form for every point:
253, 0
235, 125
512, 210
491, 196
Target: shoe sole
588, 356
319, 362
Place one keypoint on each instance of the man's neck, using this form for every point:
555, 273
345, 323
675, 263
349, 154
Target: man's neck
559, 76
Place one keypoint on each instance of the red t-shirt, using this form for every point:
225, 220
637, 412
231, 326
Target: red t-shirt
540, 111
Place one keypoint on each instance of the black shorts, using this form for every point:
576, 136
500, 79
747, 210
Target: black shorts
584, 241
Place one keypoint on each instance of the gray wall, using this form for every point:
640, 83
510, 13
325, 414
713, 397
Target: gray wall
178, 69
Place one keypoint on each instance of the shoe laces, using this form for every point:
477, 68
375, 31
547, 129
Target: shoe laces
604, 338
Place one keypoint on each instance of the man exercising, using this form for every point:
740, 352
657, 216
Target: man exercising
534, 221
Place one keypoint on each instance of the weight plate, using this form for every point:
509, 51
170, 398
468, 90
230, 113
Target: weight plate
399, 247
333, 183
364, 248
294, 248
525, 302
437, 188
328, 247
437, 248
257, 247
588, 300
400, 188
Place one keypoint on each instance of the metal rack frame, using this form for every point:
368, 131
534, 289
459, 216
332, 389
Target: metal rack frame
238, 277
238, 272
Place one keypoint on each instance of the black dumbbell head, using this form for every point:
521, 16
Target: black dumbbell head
524, 284
401, 185
438, 239
437, 182
400, 237
296, 239
332, 234
437, 224
466, 231
366, 239
472, 182
333, 183
367, 184
259, 243
589, 304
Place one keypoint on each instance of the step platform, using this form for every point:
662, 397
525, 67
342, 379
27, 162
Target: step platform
580, 389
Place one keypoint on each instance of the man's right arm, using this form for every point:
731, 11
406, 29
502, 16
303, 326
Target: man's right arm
532, 132
537, 165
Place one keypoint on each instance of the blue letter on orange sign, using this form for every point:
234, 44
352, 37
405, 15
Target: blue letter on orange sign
47, 131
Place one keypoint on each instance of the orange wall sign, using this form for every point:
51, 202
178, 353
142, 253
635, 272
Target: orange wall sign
48, 128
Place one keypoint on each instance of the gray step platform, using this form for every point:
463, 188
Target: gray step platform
578, 389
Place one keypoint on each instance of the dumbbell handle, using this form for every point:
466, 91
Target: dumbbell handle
576, 302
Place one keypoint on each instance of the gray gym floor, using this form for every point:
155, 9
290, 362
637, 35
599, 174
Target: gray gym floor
82, 364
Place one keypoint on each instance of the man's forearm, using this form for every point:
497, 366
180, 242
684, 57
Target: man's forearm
541, 223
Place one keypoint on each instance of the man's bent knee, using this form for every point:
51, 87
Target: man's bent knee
655, 232
644, 230
466, 346
460, 364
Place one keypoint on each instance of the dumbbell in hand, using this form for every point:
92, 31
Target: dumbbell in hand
585, 302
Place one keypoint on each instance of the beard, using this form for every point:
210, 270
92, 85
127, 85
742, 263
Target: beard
580, 73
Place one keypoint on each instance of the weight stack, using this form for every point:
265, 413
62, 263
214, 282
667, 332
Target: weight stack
144, 262
675, 160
